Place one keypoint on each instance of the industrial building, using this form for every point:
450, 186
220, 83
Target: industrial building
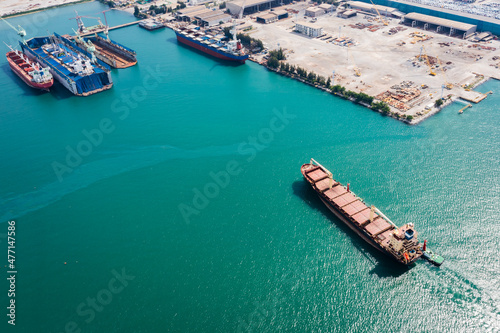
327, 8
347, 13
267, 18
272, 16
214, 18
483, 23
188, 13
427, 22
314, 12
309, 29
369, 8
253, 6
204, 15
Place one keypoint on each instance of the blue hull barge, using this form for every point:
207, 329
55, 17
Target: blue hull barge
76, 69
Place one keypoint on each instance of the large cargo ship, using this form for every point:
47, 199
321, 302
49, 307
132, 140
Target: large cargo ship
31, 73
107, 50
369, 223
216, 46
69, 64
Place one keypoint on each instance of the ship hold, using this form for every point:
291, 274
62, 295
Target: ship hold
369, 223
215, 46
29, 71
76, 69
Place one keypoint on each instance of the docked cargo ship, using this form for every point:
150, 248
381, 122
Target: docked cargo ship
30, 72
69, 64
216, 46
369, 223
108, 51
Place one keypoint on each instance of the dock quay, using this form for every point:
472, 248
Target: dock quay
111, 28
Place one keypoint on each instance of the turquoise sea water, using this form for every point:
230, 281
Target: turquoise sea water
261, 253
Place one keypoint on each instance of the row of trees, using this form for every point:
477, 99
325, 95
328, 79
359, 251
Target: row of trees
159, 9
249, 42
319, 80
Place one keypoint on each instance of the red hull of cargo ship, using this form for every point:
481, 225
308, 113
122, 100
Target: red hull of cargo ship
21, 68
207, 50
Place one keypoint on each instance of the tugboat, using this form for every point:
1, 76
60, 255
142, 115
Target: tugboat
399, 243
30, 72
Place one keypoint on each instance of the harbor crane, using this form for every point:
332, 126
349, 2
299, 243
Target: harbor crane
357, 72
447, 85
431, 70
79, 21
106, 28
89, 46
380, 19
19, 30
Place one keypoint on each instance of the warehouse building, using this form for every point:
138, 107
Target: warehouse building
267, 18
213, 18
314, 12
327, 8
272, 16
369, 8
309, 29
483, 23
449, 27
253, 6
347, 13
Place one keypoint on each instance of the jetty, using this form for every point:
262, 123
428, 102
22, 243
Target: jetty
111, 28
465, 107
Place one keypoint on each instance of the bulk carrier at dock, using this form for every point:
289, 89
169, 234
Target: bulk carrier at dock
401, 244
215, 45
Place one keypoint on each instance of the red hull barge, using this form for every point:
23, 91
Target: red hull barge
369, 223
32, 74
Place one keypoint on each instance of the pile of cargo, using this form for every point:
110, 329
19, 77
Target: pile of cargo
395, 30
482, 47
402, 93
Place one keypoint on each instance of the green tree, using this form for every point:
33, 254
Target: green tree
222, 5
311, 77
273, 62
409, 117
136, 11
328, 83
438, 102
278, 54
